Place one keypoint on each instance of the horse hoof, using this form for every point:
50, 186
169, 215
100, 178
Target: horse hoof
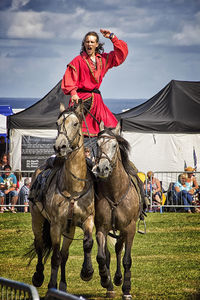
127, 297
86, 276
37, 279
105, 282
118, 280
110, 294
63, 286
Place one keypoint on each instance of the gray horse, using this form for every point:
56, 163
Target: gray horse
67, 202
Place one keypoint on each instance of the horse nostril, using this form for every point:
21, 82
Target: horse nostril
63, 147
98, 169
106, 169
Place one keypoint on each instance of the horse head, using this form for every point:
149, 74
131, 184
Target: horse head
69, 129
107, 151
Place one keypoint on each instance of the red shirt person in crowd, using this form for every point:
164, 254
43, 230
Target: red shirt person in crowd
84, 76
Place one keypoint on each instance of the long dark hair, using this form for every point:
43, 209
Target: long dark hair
99, 49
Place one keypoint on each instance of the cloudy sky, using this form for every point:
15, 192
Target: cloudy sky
38, 38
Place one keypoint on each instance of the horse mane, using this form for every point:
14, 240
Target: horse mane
124, 147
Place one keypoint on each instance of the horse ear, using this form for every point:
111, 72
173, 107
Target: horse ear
101, 126
116, 130
62, 107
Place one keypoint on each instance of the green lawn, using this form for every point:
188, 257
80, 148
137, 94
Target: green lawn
166, 261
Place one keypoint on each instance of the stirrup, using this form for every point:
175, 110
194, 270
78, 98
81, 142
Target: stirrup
140, 231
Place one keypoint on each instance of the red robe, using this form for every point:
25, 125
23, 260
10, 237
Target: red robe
82, 74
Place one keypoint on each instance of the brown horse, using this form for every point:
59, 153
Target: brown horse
68, 202
116, 208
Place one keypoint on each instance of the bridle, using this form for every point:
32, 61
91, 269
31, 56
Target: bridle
64, 131
101, 154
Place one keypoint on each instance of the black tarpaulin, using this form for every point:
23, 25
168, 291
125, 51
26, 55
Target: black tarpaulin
174, 109
41, 115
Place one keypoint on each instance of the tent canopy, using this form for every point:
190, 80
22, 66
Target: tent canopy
41, 115
174, 109
6, 110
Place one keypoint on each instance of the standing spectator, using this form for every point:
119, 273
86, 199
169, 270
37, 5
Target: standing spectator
3, 161
18, 175
89, 160
184, 192
8, 184
23, 195
2, 145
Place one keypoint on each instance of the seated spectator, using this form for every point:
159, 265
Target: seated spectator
184, 192
191, 178
194, 184
8, 184
154, 187
23, 195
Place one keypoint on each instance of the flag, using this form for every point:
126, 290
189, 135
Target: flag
195, 159
185, 165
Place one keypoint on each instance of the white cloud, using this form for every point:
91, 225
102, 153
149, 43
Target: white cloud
28, 25
17, 4
190, 34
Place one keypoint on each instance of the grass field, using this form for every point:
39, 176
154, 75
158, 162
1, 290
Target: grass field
166, 261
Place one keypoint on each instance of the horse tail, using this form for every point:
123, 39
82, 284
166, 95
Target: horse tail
46, 246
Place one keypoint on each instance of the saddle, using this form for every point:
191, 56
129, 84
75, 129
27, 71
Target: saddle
43, 180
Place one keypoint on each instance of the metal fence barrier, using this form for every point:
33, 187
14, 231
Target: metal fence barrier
56, 294
169, 201
13, 290
167, 179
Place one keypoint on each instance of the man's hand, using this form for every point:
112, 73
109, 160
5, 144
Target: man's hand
106, 33
75, 98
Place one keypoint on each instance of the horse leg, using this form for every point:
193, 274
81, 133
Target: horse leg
118, 250
56, 256
127, 261
87, 269
37, 227
103, 259
64, 257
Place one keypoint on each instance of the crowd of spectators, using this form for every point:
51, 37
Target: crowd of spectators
12, 190
185, 191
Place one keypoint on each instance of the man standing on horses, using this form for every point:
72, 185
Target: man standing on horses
84, 76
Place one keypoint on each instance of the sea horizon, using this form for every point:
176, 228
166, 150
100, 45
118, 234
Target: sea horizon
115, 105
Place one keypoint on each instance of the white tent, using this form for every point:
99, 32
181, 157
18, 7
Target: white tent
3, 128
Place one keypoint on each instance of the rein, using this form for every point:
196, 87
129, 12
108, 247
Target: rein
64, 132
112, 204
75, 196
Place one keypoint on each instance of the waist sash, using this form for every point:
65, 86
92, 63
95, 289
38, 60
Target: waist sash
96, 91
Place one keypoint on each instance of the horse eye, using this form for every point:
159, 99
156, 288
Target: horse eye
75, 124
